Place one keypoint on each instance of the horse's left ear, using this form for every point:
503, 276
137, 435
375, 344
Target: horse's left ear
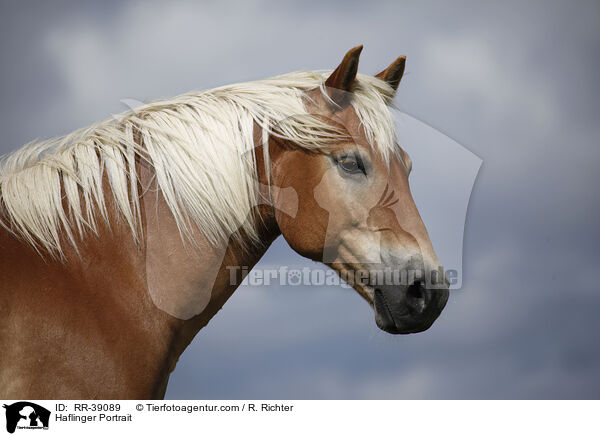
393, 73
339, 83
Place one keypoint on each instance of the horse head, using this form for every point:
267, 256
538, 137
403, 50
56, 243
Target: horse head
355, 209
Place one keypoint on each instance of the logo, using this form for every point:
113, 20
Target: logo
26, 415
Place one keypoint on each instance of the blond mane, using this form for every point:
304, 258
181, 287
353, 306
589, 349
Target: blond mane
199, 146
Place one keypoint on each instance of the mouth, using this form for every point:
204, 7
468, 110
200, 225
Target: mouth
410, 310
383, 315
400, 309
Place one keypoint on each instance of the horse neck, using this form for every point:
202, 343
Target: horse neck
190, 279
119, 314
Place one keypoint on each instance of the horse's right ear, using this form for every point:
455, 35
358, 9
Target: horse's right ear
393, 73
340, 82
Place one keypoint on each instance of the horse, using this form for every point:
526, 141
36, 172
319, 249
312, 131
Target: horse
118, 241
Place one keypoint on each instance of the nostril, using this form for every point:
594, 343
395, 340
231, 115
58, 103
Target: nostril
415, 298
415, 290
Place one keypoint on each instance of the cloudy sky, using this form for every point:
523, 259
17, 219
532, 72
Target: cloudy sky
514, 82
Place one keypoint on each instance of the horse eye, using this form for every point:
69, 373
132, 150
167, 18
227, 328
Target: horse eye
351, 164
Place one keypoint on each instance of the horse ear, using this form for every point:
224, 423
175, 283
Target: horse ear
394, 72
339, 83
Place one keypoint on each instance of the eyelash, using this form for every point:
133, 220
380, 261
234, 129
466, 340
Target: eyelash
355, 158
